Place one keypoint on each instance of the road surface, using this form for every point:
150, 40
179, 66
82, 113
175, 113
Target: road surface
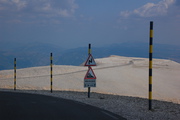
23, 106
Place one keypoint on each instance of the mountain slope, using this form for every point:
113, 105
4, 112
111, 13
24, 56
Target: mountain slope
115, 75
37, 54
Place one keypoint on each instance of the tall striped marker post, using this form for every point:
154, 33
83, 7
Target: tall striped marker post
14, 73
51, 71
150, 63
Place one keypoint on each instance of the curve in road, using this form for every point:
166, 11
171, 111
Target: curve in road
24, 106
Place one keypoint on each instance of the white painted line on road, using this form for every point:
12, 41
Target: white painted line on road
110, 115
80, 103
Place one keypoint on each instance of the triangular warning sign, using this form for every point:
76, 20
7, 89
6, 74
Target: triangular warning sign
90, 74
90, 61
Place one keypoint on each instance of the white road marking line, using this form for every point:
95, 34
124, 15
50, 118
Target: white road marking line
110, 115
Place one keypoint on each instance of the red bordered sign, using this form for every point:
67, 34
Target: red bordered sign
90, 78
90, 74
90, 61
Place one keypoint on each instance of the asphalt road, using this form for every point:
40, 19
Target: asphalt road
23, 106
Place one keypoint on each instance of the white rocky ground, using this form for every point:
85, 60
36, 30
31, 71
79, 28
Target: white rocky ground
116, 75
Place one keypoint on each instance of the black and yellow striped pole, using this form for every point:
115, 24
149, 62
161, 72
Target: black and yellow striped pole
89, 88
89, 50
150, 63
51, 71
14, 73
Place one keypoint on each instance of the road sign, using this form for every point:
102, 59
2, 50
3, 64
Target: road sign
90, 78
90, 74
90, 61
90, 83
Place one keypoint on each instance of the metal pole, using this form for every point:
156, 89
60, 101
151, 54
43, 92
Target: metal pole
89, 88
150, 64
14, 73
51, 72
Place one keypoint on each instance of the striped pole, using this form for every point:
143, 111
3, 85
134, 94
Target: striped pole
150, 63
51, 72
14, 73
89, 50
89, 88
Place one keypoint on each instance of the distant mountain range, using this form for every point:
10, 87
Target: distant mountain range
38, 54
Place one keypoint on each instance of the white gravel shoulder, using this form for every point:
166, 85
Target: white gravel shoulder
132, 108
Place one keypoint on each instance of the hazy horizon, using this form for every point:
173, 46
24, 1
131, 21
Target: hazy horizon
76, 23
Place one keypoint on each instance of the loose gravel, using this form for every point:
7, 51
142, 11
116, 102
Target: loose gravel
132, 108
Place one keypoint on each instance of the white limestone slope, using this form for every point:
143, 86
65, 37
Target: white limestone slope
115, 75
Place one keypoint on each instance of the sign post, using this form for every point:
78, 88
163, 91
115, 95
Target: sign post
90, 77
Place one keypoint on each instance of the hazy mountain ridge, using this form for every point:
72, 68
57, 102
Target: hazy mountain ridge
37, 54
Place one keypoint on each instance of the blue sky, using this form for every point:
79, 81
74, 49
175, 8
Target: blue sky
75, 23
